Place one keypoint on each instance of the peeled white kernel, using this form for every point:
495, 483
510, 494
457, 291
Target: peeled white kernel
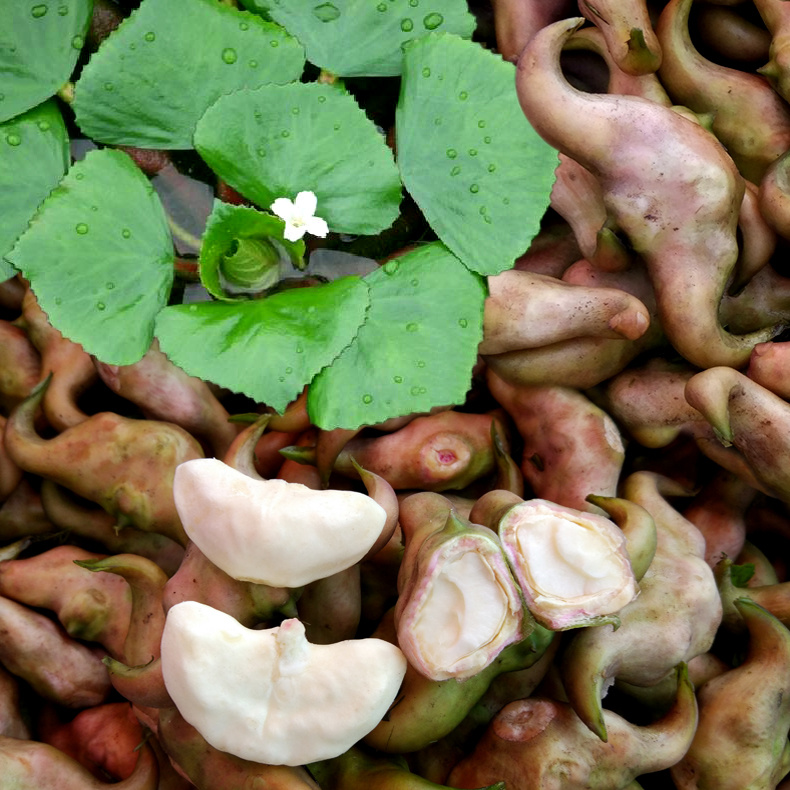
271, 696
271, 531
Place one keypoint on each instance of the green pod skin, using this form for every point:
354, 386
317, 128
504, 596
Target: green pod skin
359, 769
773, 195
97, 526
72, 368
628, 32
141, 685
526, 310
571, 447
539, 743
208, 768
738, 409
777, 19
684, 223
58, 667
744, 715
751, 119
675, 617
20, 366
125, 465
146, 582
774, 598
166, 393
29, 765
89, 608
426, 710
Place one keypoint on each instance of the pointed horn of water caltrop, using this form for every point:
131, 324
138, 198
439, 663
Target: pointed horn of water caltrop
241, 453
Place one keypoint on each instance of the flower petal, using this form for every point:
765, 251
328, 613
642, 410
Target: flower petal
294, 233
283, 208
317, 226
306, 203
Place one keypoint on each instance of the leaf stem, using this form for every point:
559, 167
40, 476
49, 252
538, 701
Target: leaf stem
183, 235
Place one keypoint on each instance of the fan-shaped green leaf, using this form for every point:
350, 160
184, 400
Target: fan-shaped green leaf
154, 76
416, 348
40, 41
467, 155
266, 348
34, 155
356, 38
99, 257
277, 141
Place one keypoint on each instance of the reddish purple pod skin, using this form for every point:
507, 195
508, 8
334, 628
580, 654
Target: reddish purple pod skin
71, 367
668, 184
20, 366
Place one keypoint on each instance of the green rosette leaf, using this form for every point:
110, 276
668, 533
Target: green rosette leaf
379, 29
277, 141
467, 155
99, 257
40, 41
154, 76
268, 348
416, 349
34, 155
243, 251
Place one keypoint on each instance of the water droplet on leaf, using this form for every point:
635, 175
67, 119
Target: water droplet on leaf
415, 282
101, 306
486, 139
244, 26
43, 126
463, 95
63, 10
79, 176
415, 390
81, 228
109, 285
274, 43
432, 21
455, 171
150, 36
474, 189
481, 124
126, 233
426, 72
321, 99
491, 168
390, 267
58, 300
229, 55
261, 151
420, 363
367, 398
326, 12
285, 133
463, 323
294, 111
414, 3
299, 348
37, 11
253, 64
473, 152
382, 7
77, 42
12, 138
398, 379
289, 370
108, 86
451, 153
406, 25
412, 326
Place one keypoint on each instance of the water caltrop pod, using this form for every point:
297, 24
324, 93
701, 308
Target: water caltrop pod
269, 695
270, 531
573, 567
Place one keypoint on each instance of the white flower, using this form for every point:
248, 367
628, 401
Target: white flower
299, 216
